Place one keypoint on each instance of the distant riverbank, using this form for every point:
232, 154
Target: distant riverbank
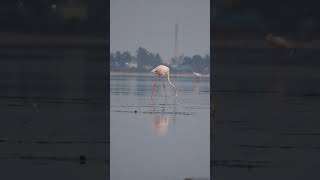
113, 73
259, 43
256, 40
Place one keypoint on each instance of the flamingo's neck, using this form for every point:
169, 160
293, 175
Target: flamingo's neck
168, 75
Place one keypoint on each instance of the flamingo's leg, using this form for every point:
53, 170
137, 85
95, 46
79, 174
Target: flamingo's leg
164, 87
153, 105
154, 85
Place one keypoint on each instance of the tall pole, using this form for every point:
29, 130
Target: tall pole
176, 42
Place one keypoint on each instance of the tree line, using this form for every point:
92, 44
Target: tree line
144, 61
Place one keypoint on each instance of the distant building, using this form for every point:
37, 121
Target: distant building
132, 65
148, 68
182, 68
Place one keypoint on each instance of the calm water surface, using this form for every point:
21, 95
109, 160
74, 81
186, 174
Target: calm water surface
163, 138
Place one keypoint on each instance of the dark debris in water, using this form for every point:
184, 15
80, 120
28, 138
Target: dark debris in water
124, 111
178, 113
154, 112
81, 159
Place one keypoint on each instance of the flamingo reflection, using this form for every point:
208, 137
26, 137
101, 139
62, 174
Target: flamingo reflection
161, 124
161, 120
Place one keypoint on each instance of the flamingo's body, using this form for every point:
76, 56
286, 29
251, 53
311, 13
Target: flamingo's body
162, 71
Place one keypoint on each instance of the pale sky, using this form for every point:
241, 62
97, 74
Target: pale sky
150, 24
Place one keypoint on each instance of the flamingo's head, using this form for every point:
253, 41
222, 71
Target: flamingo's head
153, 71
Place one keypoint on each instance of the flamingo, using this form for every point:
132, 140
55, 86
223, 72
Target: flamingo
197, 75
276, 41
161, 123
162, 71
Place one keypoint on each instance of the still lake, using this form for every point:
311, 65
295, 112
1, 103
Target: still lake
163, 137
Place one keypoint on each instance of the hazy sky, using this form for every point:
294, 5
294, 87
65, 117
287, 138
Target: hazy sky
150, 24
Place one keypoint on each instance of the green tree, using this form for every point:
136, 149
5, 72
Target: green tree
186, 61
126, 57
196, 63
142, 58
157, 59
117, 56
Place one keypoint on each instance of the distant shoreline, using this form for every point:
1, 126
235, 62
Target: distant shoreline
113, 73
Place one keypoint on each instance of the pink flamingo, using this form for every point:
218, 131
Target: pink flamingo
161, 123
162, 71
198, 75
276, 41
279, 42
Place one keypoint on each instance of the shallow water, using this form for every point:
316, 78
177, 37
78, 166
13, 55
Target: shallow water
159, 138
266, 120
53, 113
